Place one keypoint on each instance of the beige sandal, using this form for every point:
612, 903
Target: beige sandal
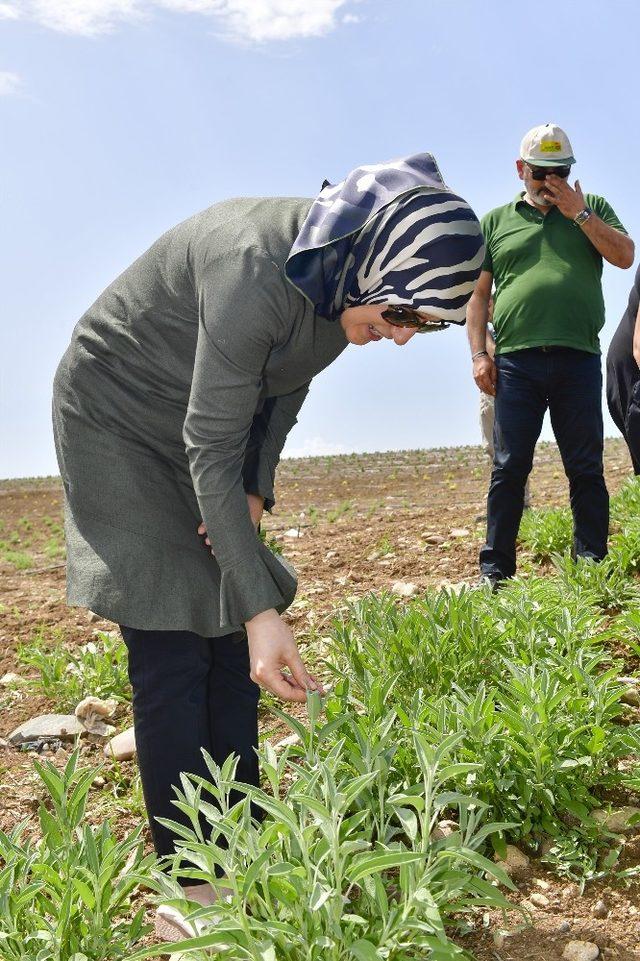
169, 929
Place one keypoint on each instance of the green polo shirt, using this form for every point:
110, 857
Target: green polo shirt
547, 277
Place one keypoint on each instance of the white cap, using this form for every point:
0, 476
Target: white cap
547, 146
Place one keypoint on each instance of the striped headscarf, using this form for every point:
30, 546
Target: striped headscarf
389, 233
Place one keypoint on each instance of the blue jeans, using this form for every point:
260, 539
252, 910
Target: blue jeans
569, 383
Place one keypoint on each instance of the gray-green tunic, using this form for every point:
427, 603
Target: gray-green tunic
172, 402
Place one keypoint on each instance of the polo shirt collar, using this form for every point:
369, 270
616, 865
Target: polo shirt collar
519, 201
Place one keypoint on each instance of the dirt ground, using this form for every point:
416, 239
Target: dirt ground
364, 522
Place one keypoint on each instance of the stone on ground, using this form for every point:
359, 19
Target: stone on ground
581, 951
540, 900
631, 693
516, 863
600, 910
48, 727
404, 588
616, 821
122, 747
11, 678
288, 741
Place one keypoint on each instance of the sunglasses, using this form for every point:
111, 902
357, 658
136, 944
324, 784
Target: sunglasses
539, 173
400, 315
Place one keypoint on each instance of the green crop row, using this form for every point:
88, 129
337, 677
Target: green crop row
456, 723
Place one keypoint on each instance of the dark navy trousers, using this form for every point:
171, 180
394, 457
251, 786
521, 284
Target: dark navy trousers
189, 693
569, 384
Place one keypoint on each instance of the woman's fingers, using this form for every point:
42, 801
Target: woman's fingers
201, 528
299, 671
284, 686
276, 664
318, 685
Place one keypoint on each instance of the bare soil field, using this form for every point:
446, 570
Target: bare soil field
363, 523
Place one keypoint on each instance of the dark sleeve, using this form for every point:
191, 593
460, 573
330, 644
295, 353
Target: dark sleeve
266, 440
243, 312
487, 263
604, 211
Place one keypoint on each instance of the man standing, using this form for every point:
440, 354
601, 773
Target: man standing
544, 255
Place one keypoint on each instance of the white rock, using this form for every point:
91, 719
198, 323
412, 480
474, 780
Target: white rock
94, 617
543, 885
287, 742
8, 679
616, 821
631, 695
454, 587
500, 936
92, 712
600, 910
122, 747
293, 532
581, 951
444, 829
459, 532
540, 900
516, 862
54, 726
404, 588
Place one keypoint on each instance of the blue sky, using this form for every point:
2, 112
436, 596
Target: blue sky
120, 118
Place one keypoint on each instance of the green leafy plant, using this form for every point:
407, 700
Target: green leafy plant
18, 559
69, 895
546, 532
67, 673
271, 542
339, 511
524, 679
344, 863
625, 504
603, 584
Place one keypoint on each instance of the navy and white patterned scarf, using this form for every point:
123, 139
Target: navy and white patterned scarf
389, 233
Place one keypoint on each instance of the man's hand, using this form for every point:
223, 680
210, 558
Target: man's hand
568, 200
256, 509
271, 648
485, 374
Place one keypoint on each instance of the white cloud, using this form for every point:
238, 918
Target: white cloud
315, 447
255, 21
10, 83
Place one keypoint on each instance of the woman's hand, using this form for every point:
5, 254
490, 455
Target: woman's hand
271, 648
256, 509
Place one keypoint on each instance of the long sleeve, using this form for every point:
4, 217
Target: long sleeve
267, 438
243, 315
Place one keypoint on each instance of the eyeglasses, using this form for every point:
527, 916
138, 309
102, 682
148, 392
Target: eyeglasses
539, 173
401, 315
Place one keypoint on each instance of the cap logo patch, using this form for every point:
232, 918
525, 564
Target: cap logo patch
550, 146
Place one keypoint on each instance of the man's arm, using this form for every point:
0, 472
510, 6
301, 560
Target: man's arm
614, 245
484, 369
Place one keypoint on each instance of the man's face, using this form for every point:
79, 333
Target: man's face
535, 188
